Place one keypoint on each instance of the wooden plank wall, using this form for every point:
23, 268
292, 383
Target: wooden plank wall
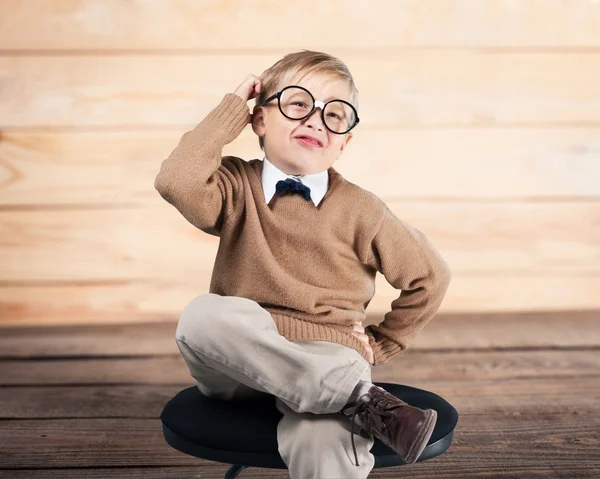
480, 126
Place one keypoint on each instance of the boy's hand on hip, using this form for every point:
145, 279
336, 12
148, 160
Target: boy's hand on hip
359, 333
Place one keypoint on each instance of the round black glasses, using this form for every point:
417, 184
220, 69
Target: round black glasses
296, 103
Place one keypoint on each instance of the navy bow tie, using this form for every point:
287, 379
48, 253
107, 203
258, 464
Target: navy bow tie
292, 186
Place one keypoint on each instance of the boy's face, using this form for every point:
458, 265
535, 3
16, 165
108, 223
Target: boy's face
283, 149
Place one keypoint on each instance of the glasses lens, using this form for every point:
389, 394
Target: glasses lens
296, 103
339, 116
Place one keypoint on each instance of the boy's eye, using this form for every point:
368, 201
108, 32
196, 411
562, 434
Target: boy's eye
334, 114
299, 103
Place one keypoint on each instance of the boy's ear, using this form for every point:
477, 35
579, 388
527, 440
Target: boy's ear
345, 143
258, 120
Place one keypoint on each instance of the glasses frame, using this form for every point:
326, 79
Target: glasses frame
316, 103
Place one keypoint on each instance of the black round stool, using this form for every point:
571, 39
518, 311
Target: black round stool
233, 433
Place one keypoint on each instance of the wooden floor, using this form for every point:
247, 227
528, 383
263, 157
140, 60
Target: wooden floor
85, 401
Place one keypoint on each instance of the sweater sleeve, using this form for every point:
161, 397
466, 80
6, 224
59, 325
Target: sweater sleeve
409, 262
194, 179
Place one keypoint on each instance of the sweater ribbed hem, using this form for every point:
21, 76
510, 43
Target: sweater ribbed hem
294, 329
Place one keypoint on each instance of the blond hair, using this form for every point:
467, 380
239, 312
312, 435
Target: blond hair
298, 65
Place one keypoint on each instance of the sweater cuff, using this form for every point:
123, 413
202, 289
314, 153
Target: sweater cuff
385, 350
227, 119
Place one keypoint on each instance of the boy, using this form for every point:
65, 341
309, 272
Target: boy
295, 270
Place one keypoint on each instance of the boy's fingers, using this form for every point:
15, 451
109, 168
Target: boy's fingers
359, 327
362, 337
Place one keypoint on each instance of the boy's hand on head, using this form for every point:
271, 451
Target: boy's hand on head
359, 332
250, 88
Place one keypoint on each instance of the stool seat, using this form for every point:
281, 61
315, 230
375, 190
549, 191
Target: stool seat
234, 433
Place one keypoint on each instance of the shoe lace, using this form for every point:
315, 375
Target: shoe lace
371, 413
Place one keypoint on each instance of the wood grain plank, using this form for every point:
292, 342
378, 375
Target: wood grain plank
207, 469
177, 24
119, 166
416, 89
457, 332
147, 243
130, 301
459, 467
412, 366
577, 396
496, 443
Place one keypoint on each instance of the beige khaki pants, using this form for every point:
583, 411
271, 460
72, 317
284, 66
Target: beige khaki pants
233, 349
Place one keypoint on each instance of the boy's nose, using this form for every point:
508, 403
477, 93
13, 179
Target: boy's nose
315, 118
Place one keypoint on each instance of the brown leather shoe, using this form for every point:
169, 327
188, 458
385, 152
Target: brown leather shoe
404, 428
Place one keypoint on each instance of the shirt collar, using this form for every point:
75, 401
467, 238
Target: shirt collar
317, 182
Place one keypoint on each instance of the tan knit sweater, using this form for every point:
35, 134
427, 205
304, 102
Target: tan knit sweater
312, 267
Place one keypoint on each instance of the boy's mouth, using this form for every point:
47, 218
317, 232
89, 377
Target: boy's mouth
309, 141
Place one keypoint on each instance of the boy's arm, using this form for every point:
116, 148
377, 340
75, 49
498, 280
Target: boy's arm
193, 178
409, 262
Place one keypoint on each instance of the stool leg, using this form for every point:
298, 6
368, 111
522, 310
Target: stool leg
234, 471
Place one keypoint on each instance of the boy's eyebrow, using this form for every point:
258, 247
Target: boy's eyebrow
333, 98
328, 98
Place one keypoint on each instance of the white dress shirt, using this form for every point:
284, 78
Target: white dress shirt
317, 182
